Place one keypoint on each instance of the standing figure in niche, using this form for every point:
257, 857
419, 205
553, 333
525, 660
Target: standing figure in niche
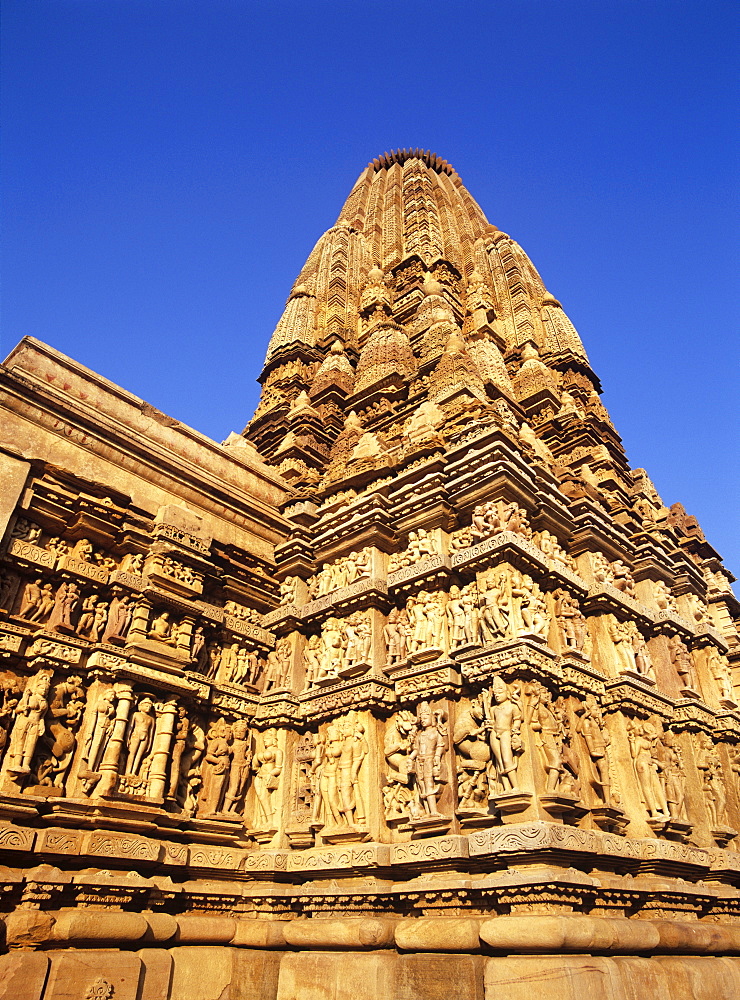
642, 740
31, 599
97, 740
140, 736
505, 718
215, 770
29, 724
425, 759
267, 767
87, 615
45, 605
394, 638
179, 745
546, 723
241, 760
683, 662
456, 618
494, 621
590, 725
621, 636
312, 659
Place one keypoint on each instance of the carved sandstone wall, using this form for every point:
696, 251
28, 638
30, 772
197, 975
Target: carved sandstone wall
416, 682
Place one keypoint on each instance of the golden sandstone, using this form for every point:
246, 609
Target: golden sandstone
413, 690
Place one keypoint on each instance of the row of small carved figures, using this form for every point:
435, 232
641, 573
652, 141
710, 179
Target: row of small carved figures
501, 606
208, 765
488, 520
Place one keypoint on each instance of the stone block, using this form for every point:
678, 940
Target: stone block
23, 975
116, 927
213, 973
336, 976
439, 977
701, 978
75, 974
552, 977
156, 974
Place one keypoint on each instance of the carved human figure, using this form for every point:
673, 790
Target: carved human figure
312, 659
66, 601
332, 648
397, 745
239, 770
470, 738
672, 775
11, 689
267, 767
590, 726
58, 743
683, 662
87, 615
26, 531
288, 590
547, 723
643, 659
119, 617
179, 746
277, 667
8, 582
104, 715
505, 717
710, 771
425, 759
140, 735
532, 608
456, 618
571, 621
719, 668
663, 597
31, 598
215, 769
357, 640
331, 749
622, 578
162, 629
45, 605
495, 611
395, 638
621, 636
29, 724
643, 738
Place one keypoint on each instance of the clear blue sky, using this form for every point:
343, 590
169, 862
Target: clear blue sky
169, 165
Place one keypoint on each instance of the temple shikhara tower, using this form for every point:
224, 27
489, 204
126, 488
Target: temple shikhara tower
414, 690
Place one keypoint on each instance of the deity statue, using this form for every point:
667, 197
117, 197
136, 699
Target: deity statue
719, 668
241, 761
504, 714
547, 722
30, 713
140, 735
683, 662
179, 745
162, 629
590, 725
425, 759
495, 610
215, 769
267, 767
97, 740
643, 739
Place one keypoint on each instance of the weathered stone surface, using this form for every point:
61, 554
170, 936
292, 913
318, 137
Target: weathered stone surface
419, 645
